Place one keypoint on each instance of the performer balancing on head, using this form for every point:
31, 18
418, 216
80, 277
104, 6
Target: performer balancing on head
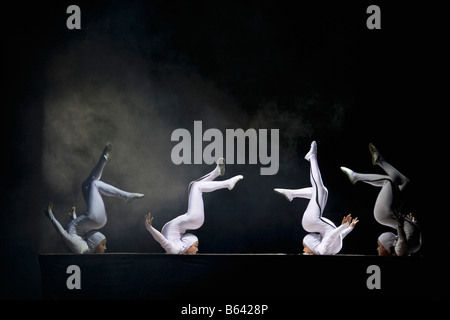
81, 234
173, 237
387, 208
324, 237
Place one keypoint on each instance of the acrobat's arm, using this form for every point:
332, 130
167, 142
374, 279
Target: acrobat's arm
330, 237
56, 224
401, 246
76, 245
166, 244
350, 227
346, 232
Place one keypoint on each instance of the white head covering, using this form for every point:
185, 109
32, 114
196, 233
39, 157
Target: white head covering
387, 240
187, 240
312, 241
93, 238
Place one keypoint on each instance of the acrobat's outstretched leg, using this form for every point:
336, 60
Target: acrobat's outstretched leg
320, 193
96, 207
318, 190
392, 186
396, 176
384, 210
219, 170
312, 220
96, 173
195, 214
290, 194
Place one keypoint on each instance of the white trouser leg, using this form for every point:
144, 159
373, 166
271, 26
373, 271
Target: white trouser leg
95, 174
295, 193
384, 205
396, 177
319, 192
96, 206
195, 215
208, 177
312, 218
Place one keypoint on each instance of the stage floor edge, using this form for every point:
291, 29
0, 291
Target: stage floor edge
271, 276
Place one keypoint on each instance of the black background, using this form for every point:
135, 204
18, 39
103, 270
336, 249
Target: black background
349, 85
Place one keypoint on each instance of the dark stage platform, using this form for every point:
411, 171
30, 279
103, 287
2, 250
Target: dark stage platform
237, 277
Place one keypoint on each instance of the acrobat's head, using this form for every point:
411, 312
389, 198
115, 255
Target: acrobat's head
386, 243
307, 250
96, 242
310, 242
190, 243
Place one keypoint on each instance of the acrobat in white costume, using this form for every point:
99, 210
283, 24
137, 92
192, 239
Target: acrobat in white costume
388, 204
81, 233
173, 237
324, 237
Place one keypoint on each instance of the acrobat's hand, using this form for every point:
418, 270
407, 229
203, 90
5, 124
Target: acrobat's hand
72, 213
410, 216
49, 208
354, 222
148, 219
347, 219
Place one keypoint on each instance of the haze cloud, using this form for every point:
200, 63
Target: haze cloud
103, 87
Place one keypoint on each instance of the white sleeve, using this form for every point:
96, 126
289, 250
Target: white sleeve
346, 232
166, 244
322, 249
401, 245
76, 244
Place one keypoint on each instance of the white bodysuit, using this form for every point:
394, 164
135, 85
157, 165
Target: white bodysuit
324, 237
82, 229
173, 237
388, 204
